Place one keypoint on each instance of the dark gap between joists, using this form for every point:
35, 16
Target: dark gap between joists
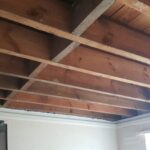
4, 93
12, 64
70, 2
2, 102
8, 82
146, 93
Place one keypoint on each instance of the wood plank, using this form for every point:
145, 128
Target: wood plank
125, 15
4, 51
58, 14
114, 8
77, 80
62, 103
108, 64
88, 17
72, 37
98, 84
139, 6
140, 22
56, 91
25, 40
90, 107
51, 12
20, 39
91, 11
65, 111
115, 35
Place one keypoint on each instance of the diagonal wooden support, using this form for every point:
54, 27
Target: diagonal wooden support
89, 16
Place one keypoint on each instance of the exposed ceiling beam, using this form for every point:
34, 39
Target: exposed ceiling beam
65, 66
66, 111
4, 51
71, 94
91, 11
77, 105
142, 6
69, 36
72, 79
100, 107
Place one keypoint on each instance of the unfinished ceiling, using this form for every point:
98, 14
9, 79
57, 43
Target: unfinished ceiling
78, 57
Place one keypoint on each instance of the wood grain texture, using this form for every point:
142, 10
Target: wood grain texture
65, 111
138, 5
74, 79
69, 36
73, 94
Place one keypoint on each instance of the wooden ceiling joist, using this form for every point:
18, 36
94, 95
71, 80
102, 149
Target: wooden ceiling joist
91, 11
69, 36
72, 79
77, 105
14, 47
71, 94
142, 6
65, 61
65, 111
75, 80
86, 20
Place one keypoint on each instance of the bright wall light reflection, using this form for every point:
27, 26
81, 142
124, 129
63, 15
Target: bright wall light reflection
147, 141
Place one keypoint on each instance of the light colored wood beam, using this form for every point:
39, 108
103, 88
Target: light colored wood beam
139, 5
135, 95
73, 79
8, 52
80, 105
59, 91
69, 36
66, 111
91, 11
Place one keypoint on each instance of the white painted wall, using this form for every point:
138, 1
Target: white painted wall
131, 133
40, 131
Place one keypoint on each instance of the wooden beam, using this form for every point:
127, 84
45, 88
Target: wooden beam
142, 6
18, 38
65, 111
53, 90
62, 103
108, 65
91, 11
54, 12
115, 35
34, 57
73, 79
79, 105
69, 36
4, 51
114, 8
